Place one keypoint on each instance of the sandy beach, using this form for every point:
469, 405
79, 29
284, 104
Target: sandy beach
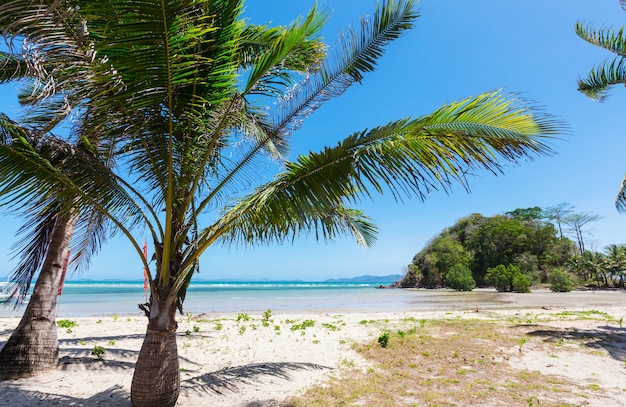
261, 360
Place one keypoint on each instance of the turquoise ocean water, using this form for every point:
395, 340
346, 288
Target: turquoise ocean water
92, 298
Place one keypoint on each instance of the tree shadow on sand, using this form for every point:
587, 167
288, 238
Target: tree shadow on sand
115, 396
229, 379
611, 339
113, 358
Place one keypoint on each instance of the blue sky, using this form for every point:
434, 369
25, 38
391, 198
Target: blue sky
457, 49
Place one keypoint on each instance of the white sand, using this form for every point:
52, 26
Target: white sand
243, 363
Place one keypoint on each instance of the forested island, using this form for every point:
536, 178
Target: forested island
516, 250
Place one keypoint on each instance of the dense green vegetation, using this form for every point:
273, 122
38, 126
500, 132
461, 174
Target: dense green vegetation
515, 250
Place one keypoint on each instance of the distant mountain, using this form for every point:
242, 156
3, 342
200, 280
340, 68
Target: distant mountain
367, 279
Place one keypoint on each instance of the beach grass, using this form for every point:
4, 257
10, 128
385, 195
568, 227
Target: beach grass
451, 362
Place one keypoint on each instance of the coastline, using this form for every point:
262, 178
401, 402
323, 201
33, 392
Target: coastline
226, 362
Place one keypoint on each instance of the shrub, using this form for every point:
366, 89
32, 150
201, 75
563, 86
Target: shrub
521, 283
560, 282
460, 278
499, 277
508, 278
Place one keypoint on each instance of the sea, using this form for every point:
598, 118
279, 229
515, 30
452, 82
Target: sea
95, 298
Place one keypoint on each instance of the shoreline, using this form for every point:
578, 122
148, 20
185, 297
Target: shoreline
230, 362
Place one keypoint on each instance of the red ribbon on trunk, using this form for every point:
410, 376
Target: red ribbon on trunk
145, 271
65, 265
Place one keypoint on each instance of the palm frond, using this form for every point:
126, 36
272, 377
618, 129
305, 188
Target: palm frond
92, 230
37, 169
258, 218
31, 249
408, 157
257, 40
267, 76
355, 55
12, 67
620, 199
602, 77
611, 39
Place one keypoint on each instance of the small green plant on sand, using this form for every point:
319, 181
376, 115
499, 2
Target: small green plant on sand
383, 340
218, 326
243, 317
115, 317
267, 314
303, 325
196, 328
66, 323
98, 352
521, 343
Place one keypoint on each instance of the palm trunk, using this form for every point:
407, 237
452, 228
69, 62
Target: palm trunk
156, 380
33, 347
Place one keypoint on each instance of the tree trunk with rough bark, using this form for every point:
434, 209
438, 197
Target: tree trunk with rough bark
156, 380
33, 347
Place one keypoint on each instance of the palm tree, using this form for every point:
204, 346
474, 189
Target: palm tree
50, 222
616, 262
596, 264
611, 72
200, 98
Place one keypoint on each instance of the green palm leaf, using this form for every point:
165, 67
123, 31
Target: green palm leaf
602, 77
354, 56
611, 39
407, 157
263, 77
620, 200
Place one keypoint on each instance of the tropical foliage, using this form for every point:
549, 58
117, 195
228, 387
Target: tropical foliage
522, 238
515, 250
600, 269
507, 278
192, 100
560, 281
459, 278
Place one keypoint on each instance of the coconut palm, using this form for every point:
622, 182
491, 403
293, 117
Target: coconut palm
48, 229
616, 262
198, 99
49, 222
609, 73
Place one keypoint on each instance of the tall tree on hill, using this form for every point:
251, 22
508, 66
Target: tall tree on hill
576, 223
192, 83
559, 213
527, 214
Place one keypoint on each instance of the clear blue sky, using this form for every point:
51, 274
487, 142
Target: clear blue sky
458, 48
